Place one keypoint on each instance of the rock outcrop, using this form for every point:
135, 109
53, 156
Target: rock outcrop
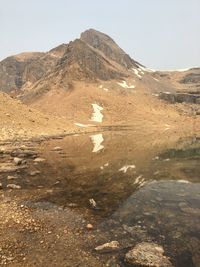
180, 97
23, 70
147, 255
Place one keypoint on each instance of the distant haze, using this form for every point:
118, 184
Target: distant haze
158, 34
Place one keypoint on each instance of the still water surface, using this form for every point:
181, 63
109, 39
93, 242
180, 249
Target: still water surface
145, 188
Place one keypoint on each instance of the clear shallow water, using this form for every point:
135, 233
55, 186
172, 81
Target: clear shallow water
146, 189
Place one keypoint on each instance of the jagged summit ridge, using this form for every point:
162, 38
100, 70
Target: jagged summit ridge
107, 45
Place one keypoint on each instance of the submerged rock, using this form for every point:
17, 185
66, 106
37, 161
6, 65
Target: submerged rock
194, 246
113, 245
33, 173
147, 255
12, 177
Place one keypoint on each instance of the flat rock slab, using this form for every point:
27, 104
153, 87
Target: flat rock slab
21, 153
147, 255
8, 167
107, 247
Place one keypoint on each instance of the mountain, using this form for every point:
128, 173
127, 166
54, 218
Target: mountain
92, 81
93, 56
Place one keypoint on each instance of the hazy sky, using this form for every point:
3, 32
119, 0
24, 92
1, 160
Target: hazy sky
159, 34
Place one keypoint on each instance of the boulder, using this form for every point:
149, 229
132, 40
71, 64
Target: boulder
13, 186
147, 255
17, 161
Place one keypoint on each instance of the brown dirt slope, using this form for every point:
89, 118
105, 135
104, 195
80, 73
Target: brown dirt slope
18, 120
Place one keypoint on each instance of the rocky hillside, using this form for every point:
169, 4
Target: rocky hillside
184, 81
19, 121
23, 70
94, 56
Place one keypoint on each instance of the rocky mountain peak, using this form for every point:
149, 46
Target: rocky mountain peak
81, 61
93, 56
107, 45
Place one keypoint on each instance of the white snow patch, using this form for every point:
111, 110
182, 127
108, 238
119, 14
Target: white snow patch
125, 168
97, 139
101, 86
137, 73
97, 116
105, 89
156, 79
145, 69
125, 85
83, 125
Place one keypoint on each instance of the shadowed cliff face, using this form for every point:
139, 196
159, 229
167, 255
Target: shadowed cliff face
81, 61
25, 69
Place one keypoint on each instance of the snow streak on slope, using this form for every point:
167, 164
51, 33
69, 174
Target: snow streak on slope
97, 116
125, 85
125, 168
137, 73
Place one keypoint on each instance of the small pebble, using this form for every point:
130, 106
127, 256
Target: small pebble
89, 226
